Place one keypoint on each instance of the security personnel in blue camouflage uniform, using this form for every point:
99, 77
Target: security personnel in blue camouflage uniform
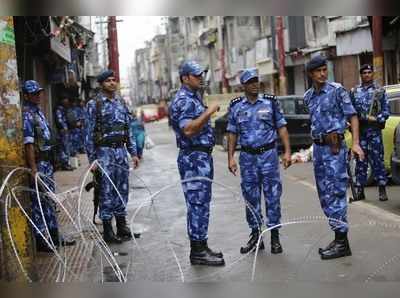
38, 142
82, 119
62, 125
366, 97
76, 122
257, 119
195, 139
330, 108
107, 140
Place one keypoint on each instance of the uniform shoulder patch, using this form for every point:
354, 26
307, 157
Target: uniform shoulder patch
335, 84
235, 101
269, 96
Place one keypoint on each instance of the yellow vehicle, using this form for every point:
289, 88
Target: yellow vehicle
388, 133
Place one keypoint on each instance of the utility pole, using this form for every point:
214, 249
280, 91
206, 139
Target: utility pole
113, 46
377, 48
11, 157
224, 80
281, 50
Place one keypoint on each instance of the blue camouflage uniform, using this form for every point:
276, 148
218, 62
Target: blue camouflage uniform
256, 125
105, 128
37, 132
371, 136
329, 110
82, 118
76, 131
62, 124
187, 106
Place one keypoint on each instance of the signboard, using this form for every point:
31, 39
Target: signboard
6, 34
59, 43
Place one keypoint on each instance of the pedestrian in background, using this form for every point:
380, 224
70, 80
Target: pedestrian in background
330, 108
190, 120
257, 120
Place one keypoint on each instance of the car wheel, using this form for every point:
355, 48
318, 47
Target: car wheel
225, 142
395, 168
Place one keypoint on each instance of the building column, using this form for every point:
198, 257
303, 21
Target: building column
15, 231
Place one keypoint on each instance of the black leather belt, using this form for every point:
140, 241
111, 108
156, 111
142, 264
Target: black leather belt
258, 150
321, 140
112, 144
204, 149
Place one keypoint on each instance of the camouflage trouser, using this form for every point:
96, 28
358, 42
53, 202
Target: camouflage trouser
65, 148
197, 193
331, 179
46, 169
76, 141
372, 145
261, 171
115, 163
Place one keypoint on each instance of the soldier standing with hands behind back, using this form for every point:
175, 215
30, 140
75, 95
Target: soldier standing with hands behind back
257, 120
330, 107
371, 104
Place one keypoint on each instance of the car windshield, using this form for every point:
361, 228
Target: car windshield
288, 106
292, 105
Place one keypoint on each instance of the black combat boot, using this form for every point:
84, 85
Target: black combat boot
123, 230
382, 193
276, 247
217, 254
42, 246
252, 243
330, 245
60, 240
66, 167
340, 248
200, 254
108, 233
359, 195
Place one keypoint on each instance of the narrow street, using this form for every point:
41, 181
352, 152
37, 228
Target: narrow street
161, 253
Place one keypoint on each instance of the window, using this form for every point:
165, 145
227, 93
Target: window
243, 21
288, 106
174, 25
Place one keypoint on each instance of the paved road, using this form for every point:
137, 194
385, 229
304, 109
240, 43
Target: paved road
161, 254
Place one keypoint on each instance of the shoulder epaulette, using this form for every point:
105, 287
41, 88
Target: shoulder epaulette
235, 101
269, 96
335, 84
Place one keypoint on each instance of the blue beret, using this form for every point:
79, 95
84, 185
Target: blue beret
105, 75
366, 67
31, 86
316, 62
190, 67
248, 74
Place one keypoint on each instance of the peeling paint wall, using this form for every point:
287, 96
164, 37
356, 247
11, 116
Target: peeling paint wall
11, 156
